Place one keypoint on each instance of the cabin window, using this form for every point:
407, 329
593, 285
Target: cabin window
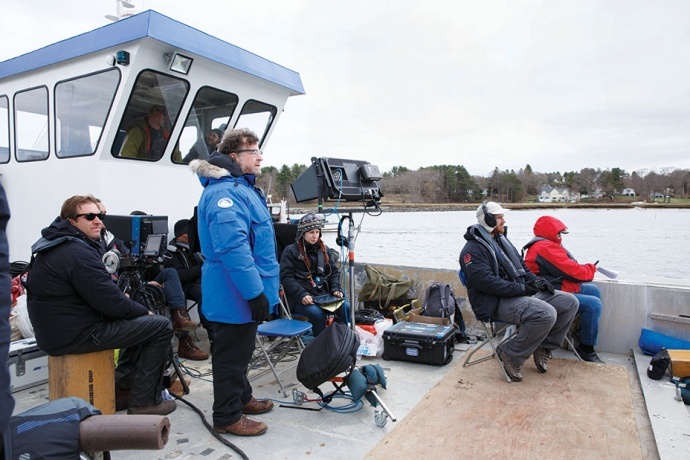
212, 109
31, 124
81, 108
257, 116
4, 129
151, 114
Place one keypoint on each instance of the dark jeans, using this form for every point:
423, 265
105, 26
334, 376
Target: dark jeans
317, 316
144, 344
172, 288
590, 311
232, 351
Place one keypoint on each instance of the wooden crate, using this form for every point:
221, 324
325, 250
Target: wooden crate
89, 376
680, 362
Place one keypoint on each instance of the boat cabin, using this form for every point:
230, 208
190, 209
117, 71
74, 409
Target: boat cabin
67, 113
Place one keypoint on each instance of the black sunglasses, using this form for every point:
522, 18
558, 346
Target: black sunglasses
91, 216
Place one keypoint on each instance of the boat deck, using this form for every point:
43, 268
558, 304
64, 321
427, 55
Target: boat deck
309, 431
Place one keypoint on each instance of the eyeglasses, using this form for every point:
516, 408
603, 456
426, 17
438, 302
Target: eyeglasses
91, 216
252, 151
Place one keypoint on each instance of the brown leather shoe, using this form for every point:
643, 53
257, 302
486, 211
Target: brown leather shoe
181, 320
188, 350
164, 408
243, 427
257, 406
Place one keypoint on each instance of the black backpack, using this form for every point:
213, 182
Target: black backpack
332, 352
440, 302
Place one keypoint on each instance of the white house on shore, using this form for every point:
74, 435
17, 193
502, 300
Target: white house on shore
556, 195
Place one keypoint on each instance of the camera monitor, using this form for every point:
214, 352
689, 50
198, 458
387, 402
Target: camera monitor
134, 230
155, 245
349, 180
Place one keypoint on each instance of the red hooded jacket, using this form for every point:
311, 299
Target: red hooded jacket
547, 257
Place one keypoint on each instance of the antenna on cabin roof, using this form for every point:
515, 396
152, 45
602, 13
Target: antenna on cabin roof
120, 13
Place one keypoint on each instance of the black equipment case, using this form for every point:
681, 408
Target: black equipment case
419, 343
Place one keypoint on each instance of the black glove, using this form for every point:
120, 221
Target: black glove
259, 306
543, 285
530, 289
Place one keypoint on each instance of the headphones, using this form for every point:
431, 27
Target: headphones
489, 218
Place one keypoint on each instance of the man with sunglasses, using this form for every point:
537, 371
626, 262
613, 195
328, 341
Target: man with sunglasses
75, 307
240, 274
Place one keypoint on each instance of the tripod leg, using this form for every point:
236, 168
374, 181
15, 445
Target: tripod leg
178, 372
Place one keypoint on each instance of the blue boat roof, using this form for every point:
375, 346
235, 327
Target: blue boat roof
162, 28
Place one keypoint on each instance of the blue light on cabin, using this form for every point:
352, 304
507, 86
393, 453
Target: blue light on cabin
122, 57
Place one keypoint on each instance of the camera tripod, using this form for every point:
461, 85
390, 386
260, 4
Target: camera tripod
131, 281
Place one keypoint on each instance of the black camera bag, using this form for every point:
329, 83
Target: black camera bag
331, 352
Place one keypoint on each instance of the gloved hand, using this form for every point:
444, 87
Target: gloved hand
259, 306
544, 285
530, 289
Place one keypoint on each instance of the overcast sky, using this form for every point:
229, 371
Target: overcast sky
559, 84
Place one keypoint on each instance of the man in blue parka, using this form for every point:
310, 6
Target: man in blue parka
240, 274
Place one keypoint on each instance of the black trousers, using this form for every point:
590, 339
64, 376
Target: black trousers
232, 351
144, 344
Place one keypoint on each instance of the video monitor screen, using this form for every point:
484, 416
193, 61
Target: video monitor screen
338, 179
154, 245
133, 230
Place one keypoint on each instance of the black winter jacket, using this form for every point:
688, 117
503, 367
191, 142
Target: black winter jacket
70, 292
187, 264
487, 280
294, 274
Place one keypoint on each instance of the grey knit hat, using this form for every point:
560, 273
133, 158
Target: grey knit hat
308, 222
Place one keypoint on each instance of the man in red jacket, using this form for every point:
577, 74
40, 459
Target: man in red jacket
547, 258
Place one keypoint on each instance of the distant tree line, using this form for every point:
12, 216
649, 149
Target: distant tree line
453, 184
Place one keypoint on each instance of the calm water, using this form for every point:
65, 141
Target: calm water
639, 244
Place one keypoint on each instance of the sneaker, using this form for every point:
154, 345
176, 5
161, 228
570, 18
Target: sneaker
164, 408
541, 357
257, 406
589, 357
243, 427
512, 369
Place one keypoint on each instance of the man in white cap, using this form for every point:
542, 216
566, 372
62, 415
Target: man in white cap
501, 287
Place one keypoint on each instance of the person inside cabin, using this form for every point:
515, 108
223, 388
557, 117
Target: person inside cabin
148, 137
203, 148
501, 287
547, 257
188, 266
240, 274
168, 280
75, 307
308, 270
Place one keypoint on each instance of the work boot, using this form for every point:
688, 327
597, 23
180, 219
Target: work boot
256, 406
164, 408
512, 369
243, 427
181, 320
187, 349
589, 357
541, 357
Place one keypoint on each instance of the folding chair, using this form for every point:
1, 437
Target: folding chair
276, 342
492, 331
